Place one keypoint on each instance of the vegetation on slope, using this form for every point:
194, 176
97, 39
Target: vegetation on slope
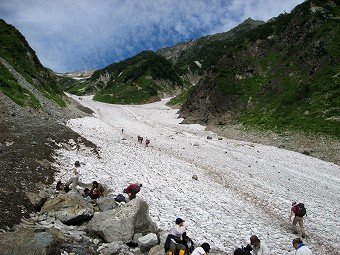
16, 51
283, 74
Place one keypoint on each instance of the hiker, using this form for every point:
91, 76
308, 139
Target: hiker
240, 251
122, 131
259, 247
75, 175
147, 141
202, 250
140, 139
61, 186
244, 250
300, 247
298, 210
97, 190
174, 241
132, 190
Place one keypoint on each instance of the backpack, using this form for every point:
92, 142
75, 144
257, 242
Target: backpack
300, 210
120, 198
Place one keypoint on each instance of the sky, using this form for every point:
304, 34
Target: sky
77, 35
242, 188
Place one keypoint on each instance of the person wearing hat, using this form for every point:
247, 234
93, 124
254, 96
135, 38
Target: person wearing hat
259, 248
300, 248
75, 173
174, 240
202, 250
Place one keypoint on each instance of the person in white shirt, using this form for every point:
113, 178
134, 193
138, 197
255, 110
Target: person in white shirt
75, 173
300, 247
202, 250
259, 247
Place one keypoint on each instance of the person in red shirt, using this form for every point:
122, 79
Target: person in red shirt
132, 190
297, 219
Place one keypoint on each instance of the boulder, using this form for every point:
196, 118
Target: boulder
37, 200
31, 241
122, 223
157, 250
70, 208
146, 242
106, 203
115, 248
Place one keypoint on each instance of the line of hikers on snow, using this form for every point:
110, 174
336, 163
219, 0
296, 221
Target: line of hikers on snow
177, 242
96, 190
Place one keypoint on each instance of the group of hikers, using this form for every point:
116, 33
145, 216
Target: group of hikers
177, 242
96, 190
140, 140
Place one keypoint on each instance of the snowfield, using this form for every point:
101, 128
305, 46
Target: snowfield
242, 188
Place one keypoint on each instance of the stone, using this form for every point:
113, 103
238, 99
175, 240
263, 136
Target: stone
146, 242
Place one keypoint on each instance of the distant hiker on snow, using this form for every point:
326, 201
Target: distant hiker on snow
259, 247
300, 248
147, 141
132, 190
75, 175
140, 139
299, 210
174, 241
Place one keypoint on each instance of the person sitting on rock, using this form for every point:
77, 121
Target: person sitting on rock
61, 186
202, 250
174, 241
97, 190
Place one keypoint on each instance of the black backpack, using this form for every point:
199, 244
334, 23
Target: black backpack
120, 198
300, 210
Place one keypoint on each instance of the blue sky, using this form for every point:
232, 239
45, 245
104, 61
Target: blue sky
75, 35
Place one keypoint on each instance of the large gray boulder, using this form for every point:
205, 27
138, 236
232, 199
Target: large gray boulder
146, 242
122, 223
106, 203
31, 241
70, 208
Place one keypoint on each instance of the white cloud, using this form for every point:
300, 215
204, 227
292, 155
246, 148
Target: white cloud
74, 35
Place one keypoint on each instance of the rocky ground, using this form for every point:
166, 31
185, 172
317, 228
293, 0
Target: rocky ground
28, 139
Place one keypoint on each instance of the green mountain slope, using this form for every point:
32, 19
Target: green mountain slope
15, 52
143, 78
283, 74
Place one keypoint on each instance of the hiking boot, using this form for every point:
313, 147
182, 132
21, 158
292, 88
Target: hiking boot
295, 232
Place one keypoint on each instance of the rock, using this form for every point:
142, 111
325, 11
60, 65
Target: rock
195, 177
31, 241
157, 250
122, 223
106, 203
209, 137
146, 242
306, 152
37, 200
117, 247
70, 208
